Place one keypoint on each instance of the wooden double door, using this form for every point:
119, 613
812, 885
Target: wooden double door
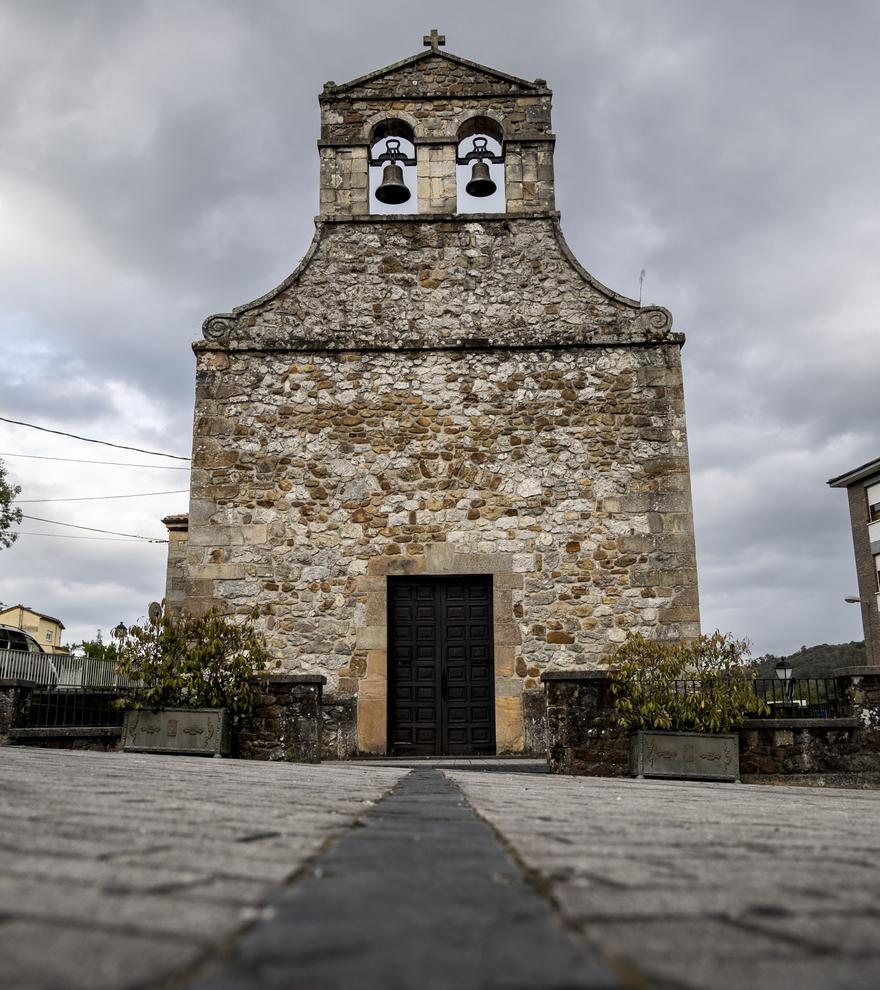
440, 666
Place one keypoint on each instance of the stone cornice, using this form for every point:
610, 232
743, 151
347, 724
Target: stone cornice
393, 218
463, 344
538, 137
428, 97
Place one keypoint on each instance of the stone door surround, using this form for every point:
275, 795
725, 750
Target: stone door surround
440, 560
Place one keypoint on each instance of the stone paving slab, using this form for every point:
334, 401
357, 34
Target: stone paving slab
698, 886
118, 870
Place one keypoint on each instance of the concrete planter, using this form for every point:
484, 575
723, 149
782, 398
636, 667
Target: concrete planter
186, 731
684, 755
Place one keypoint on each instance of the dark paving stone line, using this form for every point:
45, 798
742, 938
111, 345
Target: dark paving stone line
422, 896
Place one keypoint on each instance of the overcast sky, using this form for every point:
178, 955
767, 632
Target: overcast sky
158, 164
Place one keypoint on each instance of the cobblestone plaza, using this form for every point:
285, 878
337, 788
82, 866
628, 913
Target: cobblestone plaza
126, 871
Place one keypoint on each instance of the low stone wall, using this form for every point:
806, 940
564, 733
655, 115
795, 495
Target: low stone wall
13, 697
103, 738
584, 739
287, 722
861, 689
807, 745
534, 723
339, 738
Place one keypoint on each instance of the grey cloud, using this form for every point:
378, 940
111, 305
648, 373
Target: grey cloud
167, 154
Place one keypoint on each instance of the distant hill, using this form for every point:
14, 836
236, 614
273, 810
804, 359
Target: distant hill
816, 661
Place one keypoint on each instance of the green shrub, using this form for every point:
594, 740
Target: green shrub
180, 660
703, 685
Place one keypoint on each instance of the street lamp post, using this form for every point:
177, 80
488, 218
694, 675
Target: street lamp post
783, 672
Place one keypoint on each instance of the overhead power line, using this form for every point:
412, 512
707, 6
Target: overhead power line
105, 443
76, 460
98, 498
96, 539
92, 529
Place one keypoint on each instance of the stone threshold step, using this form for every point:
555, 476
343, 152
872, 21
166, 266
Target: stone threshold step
514, 764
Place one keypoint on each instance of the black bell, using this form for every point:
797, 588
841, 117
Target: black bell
481, 183
393, 189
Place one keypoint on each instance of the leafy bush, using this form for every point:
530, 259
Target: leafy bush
193, 661
703, 686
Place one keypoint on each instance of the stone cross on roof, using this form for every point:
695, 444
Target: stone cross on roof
434, 40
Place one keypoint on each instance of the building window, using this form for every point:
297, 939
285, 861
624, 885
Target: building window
873, 492
48, 637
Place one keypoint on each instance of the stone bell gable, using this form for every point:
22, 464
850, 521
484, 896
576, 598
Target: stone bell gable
440, 457
435, 99
491, 282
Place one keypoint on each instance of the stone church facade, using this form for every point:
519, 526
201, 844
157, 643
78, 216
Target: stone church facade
440, 457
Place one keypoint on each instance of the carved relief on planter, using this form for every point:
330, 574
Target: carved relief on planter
186, 731
684, 755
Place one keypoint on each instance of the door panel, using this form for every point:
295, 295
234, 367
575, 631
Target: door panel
442, 684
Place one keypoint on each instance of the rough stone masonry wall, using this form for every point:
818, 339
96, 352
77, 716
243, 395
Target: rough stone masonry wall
13, 697
563, 473
175, 573
286, 723
388, 282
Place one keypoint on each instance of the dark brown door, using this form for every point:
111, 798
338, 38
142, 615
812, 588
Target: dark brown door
441, 676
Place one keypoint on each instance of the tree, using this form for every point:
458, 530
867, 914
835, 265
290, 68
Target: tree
96, 649
193, 661
704, 685
9, 515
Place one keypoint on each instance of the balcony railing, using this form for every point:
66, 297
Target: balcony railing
58, 670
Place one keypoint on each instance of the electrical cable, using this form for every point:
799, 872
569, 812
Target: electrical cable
91, 529
96, 539
76, 460
97, 498
105, 443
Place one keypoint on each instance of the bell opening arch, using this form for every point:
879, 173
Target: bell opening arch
392, 176
479, 170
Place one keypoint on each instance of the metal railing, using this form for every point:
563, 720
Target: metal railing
71, 708
802, 697
21, 665
60, 670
